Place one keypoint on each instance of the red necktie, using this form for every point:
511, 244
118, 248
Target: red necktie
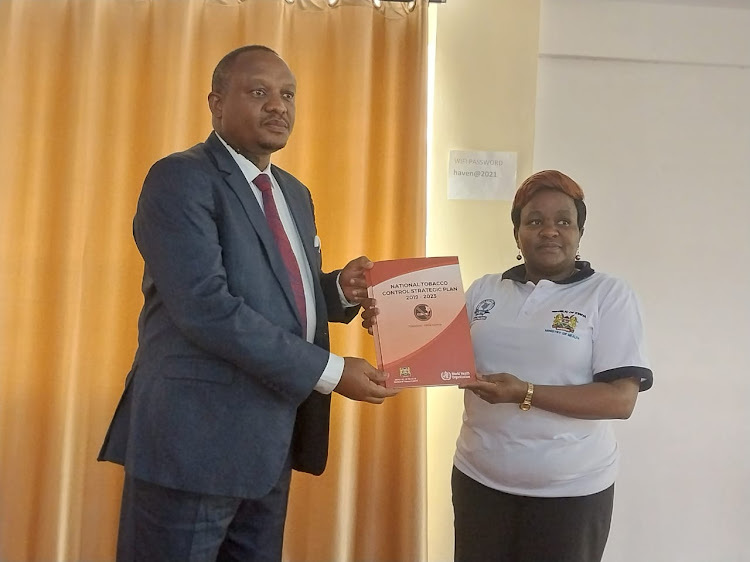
263, 182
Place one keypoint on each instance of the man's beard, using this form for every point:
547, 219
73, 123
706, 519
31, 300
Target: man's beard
272, 146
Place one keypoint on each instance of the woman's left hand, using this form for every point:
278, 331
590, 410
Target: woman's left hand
499, 388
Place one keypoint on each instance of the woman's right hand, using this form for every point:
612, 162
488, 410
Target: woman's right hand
498, 388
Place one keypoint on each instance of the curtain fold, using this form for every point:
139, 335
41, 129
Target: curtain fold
95, 91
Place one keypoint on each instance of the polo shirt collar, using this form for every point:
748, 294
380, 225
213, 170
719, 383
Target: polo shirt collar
583, 271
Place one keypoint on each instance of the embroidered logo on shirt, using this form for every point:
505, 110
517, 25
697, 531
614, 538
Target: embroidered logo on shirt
483, 309
565, 322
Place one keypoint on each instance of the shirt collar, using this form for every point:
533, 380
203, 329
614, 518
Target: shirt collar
583, 271
249, 169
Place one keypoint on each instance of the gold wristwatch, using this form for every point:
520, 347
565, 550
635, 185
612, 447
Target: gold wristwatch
526, 404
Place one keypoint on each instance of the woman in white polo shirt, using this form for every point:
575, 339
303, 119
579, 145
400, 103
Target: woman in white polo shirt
560, 348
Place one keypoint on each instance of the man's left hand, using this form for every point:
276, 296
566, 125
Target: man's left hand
352, 279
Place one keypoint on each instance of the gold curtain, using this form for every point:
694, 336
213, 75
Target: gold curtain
93, 92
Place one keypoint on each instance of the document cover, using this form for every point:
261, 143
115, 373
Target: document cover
422, 330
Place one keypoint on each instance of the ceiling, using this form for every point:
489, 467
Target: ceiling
736, 4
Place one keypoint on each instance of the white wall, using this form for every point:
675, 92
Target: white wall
648, 107
485, 57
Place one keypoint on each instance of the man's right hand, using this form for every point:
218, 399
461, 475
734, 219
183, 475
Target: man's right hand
363, 382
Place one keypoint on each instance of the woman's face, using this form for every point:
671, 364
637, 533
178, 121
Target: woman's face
548, 236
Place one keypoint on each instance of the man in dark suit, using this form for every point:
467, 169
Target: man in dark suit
230, 386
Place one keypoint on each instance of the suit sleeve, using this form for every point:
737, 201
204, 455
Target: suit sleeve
337, 312
176, 231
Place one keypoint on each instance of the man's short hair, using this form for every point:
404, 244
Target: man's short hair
223, 70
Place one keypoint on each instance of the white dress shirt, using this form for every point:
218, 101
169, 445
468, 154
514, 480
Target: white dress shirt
335, 366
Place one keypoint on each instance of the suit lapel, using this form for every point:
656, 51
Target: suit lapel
299, 208
237, 183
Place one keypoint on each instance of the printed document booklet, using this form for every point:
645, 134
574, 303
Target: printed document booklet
422, 330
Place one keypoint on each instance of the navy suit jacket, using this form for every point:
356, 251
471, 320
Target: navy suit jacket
221, 388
